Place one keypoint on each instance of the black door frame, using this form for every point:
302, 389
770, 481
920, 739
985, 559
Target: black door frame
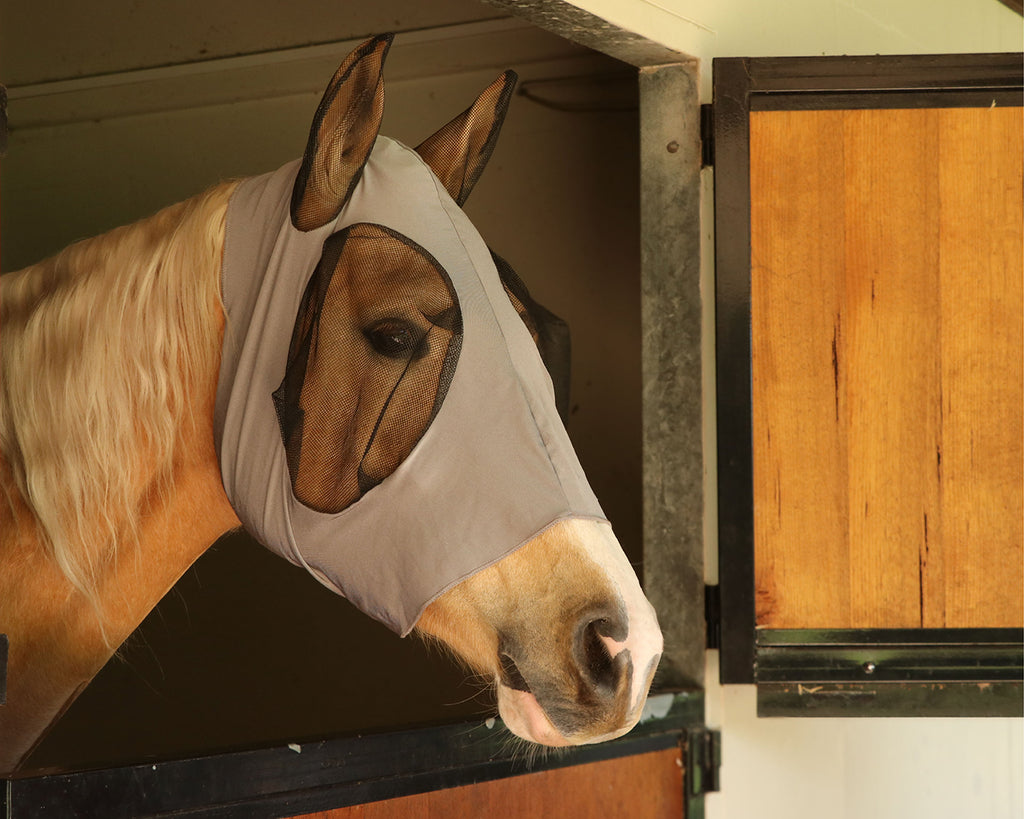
787, 663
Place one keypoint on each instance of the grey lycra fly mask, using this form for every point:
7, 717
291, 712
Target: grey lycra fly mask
383, 417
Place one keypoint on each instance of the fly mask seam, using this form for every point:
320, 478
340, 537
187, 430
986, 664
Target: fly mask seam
540, 427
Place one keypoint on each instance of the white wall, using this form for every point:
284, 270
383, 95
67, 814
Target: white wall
827, 768
761, 28
818, 768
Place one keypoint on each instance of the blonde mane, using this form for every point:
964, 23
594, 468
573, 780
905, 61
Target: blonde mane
107, 350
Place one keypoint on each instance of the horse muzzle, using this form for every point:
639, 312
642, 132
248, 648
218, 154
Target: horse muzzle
583, 683
564, 630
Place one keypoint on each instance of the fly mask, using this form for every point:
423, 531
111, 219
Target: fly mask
384, 417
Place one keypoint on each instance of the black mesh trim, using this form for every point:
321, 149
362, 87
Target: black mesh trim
500, 110
549, 331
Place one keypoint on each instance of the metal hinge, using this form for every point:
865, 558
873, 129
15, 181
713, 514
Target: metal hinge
713, 616
707, 135
703, 760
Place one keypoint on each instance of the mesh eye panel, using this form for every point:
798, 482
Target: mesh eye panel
372, 353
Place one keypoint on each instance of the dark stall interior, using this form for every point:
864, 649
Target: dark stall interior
248, 650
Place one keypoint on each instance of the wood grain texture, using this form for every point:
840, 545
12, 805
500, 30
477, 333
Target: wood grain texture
982, 366
644, 786
800, 457
886, 342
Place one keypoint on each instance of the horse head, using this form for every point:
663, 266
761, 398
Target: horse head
412, 457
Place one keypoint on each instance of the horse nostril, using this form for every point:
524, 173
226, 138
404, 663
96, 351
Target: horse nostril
511, 676
603, 671
598, 662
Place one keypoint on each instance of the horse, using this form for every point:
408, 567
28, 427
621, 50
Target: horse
128, 443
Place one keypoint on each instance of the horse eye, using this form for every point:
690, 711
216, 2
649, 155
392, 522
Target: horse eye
393, 338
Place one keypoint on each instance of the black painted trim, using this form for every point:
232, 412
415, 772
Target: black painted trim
999, 699
852, 100
318, 776
890, 655
878, 73
890, 636
732, 321
742, 85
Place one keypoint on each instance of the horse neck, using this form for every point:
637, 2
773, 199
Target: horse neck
110, 358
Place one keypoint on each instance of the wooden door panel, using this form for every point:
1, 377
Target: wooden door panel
644, 786
981, 170
886, 350
795, 295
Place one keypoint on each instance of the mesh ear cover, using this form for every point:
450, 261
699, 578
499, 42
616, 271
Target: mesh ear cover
374, 348
459, 152
341, 136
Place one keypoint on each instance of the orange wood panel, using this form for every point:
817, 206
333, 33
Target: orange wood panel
799, 446
886, 353
644, 786
982, 367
